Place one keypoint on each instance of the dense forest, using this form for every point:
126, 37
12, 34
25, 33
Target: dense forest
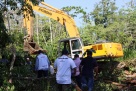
106, 22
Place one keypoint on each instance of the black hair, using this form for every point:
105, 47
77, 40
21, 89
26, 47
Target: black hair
89, 52
76, 55
3, 56
64, 52
40, 51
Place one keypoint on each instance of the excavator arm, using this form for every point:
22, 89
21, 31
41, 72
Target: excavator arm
51, 12
59, 16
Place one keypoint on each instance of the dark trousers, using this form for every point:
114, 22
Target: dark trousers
63, 87
78, 80
42, 73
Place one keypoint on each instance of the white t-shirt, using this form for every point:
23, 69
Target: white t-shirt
64, 65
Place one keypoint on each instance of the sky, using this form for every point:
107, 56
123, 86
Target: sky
87, 5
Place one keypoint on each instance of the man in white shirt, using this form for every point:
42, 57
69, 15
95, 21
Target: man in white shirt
42, 65
64, 66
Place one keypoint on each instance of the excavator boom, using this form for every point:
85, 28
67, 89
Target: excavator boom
55, 14
51, 12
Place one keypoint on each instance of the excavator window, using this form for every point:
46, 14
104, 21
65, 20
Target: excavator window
64, 45
67, 46
75, 44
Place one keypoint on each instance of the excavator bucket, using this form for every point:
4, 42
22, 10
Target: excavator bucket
32, 47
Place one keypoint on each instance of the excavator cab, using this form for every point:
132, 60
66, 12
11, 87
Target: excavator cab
73, 45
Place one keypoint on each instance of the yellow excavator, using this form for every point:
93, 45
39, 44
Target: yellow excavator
73, 43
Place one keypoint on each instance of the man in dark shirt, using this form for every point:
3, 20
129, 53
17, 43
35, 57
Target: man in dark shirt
88, 66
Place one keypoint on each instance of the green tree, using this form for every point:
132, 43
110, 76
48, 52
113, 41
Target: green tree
74, 11
104, 12
4, 38
5, 7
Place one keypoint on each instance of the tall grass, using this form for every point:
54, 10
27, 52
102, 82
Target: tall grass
129, 54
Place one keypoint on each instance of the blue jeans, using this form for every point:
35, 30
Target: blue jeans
87, 81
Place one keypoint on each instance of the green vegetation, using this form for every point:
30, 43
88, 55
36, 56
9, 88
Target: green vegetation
105, 22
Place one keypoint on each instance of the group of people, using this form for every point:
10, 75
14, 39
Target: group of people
66, 68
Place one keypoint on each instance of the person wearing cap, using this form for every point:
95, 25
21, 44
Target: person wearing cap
77, 76
64, 66
88, 66
42, 65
